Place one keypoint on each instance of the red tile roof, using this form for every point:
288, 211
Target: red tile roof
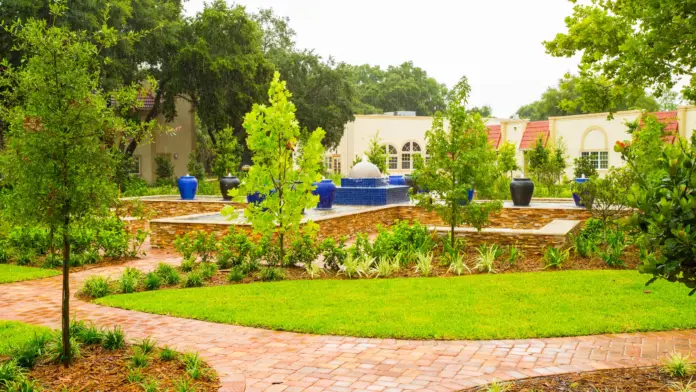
671, 124
534, 131
494, 135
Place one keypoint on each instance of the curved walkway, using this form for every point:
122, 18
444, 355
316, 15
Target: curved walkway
260, 360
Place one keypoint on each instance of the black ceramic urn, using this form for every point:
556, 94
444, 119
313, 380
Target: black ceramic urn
227, 183
521, 190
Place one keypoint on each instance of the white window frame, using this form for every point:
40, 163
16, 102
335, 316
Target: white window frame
407, 155
392, 157
137, 162
598, 160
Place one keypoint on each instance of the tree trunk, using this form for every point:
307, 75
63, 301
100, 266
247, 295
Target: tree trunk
282, 247
66, 295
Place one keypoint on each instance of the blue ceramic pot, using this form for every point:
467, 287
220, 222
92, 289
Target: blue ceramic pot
469, 196
188, 185
576, 197
255, 198
397, 180
326, 190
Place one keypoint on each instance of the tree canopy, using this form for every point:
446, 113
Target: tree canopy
398, 88
586, 94
633, 43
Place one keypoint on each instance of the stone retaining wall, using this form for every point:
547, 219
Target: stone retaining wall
156, 208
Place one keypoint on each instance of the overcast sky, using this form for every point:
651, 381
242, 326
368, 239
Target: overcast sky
495, 43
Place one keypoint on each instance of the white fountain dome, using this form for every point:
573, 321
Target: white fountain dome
365, 169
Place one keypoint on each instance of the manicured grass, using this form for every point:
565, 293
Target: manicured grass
13, 333
565, 303
14, 273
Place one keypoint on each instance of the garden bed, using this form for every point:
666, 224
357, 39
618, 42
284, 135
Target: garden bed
644, 379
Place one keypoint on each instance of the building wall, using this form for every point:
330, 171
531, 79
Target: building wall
176, 144
590, 133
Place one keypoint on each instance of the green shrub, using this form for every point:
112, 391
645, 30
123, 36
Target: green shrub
350, 266
112, 237
457, 265
135, 376
614, 248
236, 275
249, 266
54, 348
146, 345
23, 385
334, 253
313, 270
193, 279
10, 372
678, 365
114, 339
583, 246
90, 256
207, 270
193, 365
152, 281
514, 255
26, 258
234, 249
4, 253
361, 246
365, 264
151, 385
408, 239
486, 258
187, 265
303, 250
168, 274
204, 246
164, 170
555, 257
424, 264
271, 274
128, 283
138, 359
28, 353
52, 261
183, 385
88, 334
384, 268
184, 245
167, 354
96, 287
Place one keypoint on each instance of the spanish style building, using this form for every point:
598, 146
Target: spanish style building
592, 135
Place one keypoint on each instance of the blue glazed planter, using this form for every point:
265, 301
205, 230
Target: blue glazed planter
397, 180
576, 197
255, 198
188, 185
469, 195
326, 190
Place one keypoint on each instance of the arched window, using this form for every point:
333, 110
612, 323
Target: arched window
392, 157
594, 146
407, 152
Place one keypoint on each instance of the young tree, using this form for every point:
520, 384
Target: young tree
60, 126
461, 159
228, 153
547, 164
507, 158
584, 168
377, 153
281, 171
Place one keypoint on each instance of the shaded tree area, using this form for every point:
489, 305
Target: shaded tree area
403, 87
581, 94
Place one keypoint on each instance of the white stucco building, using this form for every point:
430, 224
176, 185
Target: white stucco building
593, 135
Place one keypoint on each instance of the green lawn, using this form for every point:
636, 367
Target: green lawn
14, 273
566, 303
13, 333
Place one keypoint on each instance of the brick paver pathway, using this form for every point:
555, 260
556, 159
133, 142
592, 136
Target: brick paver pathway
260, 360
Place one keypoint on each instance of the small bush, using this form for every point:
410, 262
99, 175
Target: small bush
187, 265
249, 266
25, 258
615, 246
138, 359
184, 245
152, 281
514, 255
204, 246
334, 253
4, 253
23, 385
114, 339
167, 354
236, 275
496, 386
146, 345
151, 385
424, 264
89, 334
555, 257
10, 371
54, 348
135, 376
183, 385
168, 274
457, 265
365, 263
313, 270
682, 386
193, 365
486, 258
128, 284
193, 279
96, 287
361, 246
207, 270
271, 274
27, 354
384, 268
350, 266
583, 246
303, 250
234, 249
677, 365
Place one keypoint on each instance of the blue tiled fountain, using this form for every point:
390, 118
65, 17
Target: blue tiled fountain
365, 186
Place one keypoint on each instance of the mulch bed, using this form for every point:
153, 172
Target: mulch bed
625, 380
98, 369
